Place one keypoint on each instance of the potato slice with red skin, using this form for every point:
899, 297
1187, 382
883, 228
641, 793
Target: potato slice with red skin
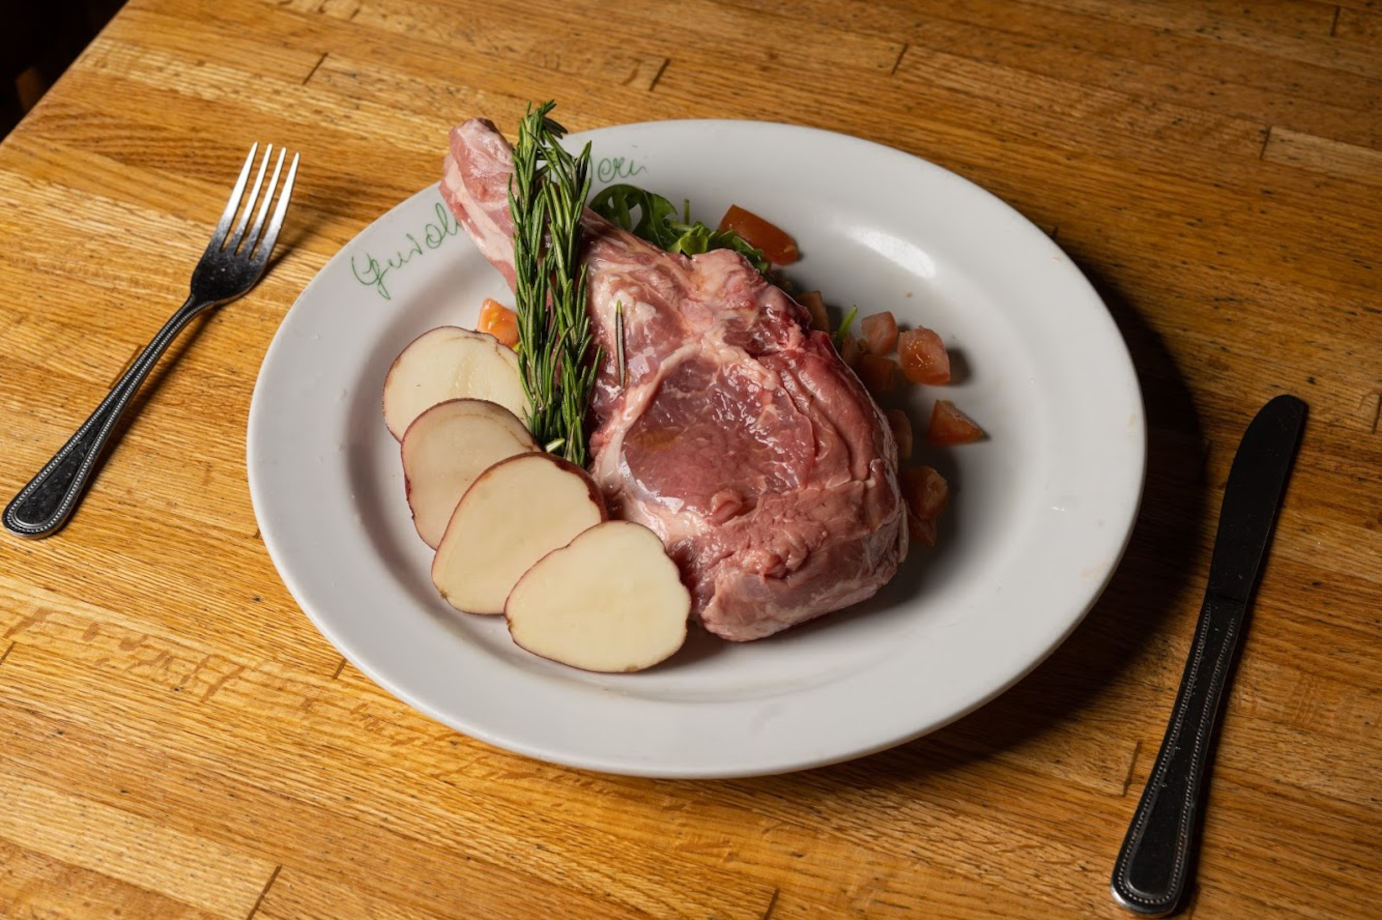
446, 448
513, 514
609, 601
449, 362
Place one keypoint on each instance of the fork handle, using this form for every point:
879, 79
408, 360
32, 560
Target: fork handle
45, 503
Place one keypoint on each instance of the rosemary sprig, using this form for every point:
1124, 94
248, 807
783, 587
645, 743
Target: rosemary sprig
557, 357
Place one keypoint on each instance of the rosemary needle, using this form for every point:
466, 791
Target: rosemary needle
557, 357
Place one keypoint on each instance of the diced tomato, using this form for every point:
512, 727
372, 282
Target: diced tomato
923, 356
926, 493
951, 426
850, 351
499, 321
815, 305
902, 432
880, 333
919, 532
877, 373
778, 248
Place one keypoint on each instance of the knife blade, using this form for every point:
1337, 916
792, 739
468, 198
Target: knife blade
1153, 864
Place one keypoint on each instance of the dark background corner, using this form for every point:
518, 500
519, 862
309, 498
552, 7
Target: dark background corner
38, 40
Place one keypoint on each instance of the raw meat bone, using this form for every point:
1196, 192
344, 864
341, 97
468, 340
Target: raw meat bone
739, 437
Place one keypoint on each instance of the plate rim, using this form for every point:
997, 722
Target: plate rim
623, 766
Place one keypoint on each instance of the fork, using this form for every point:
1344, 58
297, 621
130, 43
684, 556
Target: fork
232, 263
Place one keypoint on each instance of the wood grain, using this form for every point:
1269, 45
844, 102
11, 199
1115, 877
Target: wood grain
177, 740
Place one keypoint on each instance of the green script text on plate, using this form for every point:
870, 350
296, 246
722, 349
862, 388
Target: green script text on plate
370, 271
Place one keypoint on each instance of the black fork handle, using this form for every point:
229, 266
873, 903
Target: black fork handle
43, 506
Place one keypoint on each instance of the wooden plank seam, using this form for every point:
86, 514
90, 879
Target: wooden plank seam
652, 84
273, 876
320, 61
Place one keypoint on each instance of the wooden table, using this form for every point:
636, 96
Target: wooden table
177, 740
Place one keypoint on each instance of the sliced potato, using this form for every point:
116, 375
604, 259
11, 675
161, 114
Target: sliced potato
450, 363
611, 600
516, 512
446, 448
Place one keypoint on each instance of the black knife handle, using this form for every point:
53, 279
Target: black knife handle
1152, 866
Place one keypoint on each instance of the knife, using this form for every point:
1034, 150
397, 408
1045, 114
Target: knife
1150, 872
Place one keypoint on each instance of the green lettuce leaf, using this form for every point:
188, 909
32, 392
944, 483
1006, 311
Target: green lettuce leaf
659, 223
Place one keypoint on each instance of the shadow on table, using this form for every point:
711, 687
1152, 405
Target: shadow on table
1150, 584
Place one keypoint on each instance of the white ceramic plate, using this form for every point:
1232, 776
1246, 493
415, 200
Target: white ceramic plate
1040, 515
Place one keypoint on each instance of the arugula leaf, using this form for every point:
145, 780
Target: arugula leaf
659, 224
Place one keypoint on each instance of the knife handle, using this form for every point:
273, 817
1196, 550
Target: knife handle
1150, 872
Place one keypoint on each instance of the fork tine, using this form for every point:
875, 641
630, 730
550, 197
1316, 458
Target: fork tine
233, 202
239, 233
264, 205
266, 244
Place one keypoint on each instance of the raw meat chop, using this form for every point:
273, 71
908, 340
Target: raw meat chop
739, 437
